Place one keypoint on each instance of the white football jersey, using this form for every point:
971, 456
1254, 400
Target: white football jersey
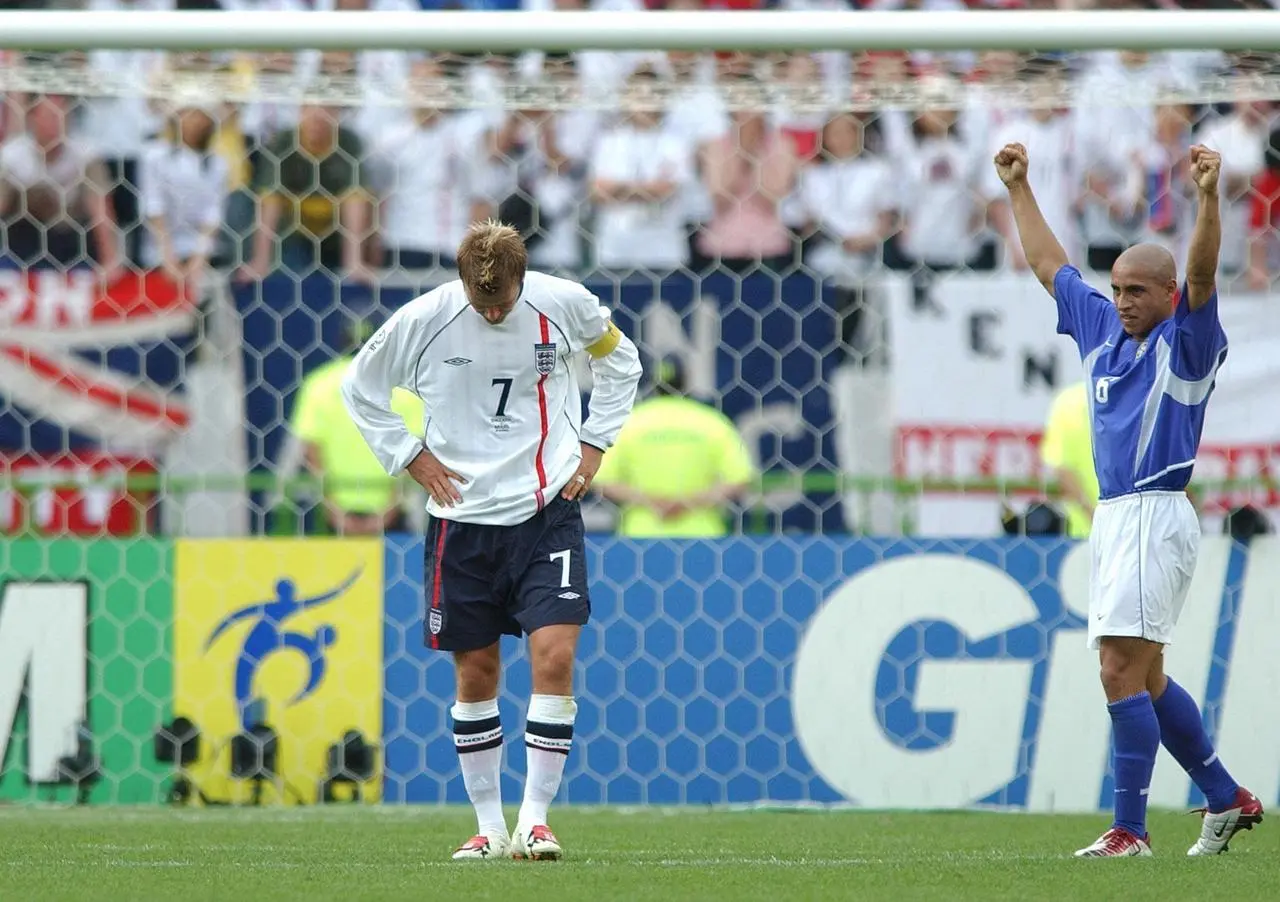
502, 404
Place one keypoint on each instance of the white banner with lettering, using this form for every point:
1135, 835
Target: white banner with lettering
977, 361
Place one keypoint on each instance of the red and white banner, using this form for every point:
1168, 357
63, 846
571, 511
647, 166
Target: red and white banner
91, 381
978, 362
80, 494
50, 319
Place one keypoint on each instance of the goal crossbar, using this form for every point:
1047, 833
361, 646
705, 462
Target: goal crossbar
758, 31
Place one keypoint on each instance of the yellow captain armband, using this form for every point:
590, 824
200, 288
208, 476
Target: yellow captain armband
606, 343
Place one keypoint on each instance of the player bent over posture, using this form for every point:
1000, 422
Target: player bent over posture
1150, 358
505, 462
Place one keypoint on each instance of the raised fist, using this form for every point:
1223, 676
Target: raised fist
1011, 164
1206, 165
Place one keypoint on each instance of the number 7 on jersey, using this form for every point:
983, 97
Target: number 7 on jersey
502, 398
563, 557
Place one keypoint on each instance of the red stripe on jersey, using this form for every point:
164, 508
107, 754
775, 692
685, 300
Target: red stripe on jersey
435, 578
545, 325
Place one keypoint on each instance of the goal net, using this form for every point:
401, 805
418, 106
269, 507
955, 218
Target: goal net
814, 244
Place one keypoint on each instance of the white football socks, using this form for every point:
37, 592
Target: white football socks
548, 736
477, 735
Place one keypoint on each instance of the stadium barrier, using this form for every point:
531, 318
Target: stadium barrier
882, 673
842, 443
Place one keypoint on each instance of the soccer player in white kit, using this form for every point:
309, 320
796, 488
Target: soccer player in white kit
505, 461
1150, 359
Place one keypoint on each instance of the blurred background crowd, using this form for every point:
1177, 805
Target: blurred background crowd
648, 161
841, 165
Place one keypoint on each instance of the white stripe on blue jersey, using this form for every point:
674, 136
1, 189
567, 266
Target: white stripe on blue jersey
1147, 399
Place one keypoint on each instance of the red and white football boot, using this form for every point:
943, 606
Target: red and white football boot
1117, 843
539, 844
481, 847
1219, 826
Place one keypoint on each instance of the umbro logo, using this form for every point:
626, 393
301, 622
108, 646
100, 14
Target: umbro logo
457, 361
570, 596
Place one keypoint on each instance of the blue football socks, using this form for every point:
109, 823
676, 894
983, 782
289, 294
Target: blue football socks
1137, 738
1182, 732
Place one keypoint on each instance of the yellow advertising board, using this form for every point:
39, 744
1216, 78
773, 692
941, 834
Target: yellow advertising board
285, 633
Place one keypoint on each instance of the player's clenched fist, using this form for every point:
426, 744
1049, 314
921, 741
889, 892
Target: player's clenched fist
1206, 164
436, 478
1011, 164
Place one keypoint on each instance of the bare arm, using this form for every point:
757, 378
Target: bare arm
869, 241
354, 212
312, 459
481, 210
720, 495
1072, 489
1040, 247
272, 211
779, 176
717, 171
1258, 277
604, 191
620, 493
503, 140
1206, 235
160, 232
1000, 213
102, 219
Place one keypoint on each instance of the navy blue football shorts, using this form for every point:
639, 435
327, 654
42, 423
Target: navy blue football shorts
485, 581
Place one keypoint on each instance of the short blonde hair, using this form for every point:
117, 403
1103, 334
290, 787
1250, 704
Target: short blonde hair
492, 259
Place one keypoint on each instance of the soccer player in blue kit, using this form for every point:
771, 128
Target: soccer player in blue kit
1150, 358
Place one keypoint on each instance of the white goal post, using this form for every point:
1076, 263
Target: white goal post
759, 31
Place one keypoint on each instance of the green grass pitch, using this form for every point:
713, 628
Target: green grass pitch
354, 853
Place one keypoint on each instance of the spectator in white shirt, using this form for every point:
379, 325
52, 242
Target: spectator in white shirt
1049, 137
987, 88
1168, 190
1113, 126
545, 153
1241, 138
697, 114
261, 120
183, 186
637, 174
849, 201
51, 190
428, 172
940, 179
119, 124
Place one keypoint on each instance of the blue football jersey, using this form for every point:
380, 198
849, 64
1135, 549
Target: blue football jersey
1146, 398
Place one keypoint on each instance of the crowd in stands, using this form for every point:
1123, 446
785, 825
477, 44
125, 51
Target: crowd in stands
607, 178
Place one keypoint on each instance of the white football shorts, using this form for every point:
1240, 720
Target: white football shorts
1144, 549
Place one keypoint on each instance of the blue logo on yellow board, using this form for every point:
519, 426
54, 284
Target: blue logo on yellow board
269, 636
